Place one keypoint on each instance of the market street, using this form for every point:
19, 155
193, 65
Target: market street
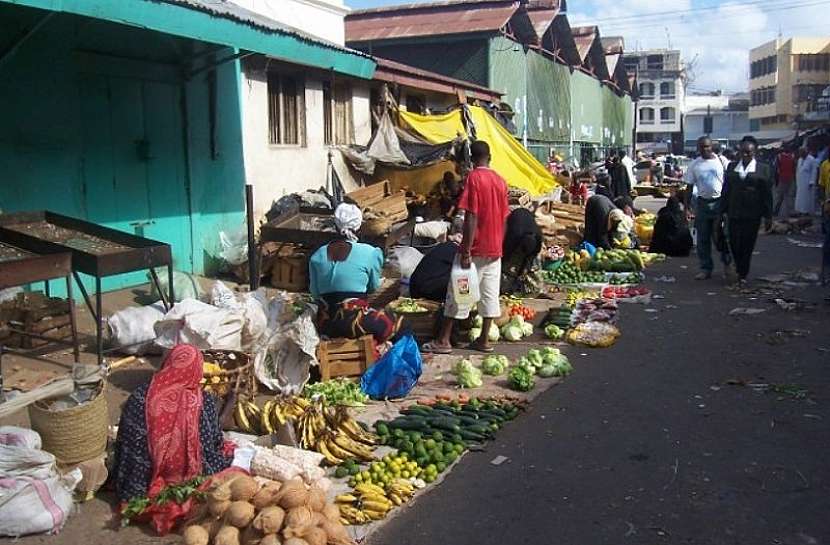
661, 438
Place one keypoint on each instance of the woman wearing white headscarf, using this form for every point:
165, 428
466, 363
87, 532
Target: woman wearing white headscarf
341, 274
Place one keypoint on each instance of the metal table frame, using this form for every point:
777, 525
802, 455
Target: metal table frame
140, 254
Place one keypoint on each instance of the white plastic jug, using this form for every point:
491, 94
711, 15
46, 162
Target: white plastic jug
464, 283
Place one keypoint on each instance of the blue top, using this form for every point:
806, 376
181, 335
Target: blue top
358, 273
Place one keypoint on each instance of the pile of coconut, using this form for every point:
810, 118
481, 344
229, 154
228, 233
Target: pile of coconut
247, 511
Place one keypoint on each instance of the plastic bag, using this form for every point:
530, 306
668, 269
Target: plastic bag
132, 328
405, 259
34, 497
593, 334
202, 325
234, 246
252, 307
396, 373
185, 286
287, 350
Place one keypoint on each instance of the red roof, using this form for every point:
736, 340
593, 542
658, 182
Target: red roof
429, 19
403, 74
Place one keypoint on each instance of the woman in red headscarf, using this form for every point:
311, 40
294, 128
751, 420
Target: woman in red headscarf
169, 430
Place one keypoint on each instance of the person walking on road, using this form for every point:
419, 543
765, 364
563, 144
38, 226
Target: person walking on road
784, 196
805, 180
746, 200
628, 165
484, 201
705, 176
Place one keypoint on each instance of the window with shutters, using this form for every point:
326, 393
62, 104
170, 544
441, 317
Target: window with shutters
667, 116
286, 109
338, 121
647, 116
667, 89
646, 90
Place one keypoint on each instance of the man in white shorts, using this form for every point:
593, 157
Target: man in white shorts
484, 201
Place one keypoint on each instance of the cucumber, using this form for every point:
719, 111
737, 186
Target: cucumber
446, 424
468, 435
479, 429
408, 424
467, 421
469, 414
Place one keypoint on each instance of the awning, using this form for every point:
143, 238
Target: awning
222, 23
509, 158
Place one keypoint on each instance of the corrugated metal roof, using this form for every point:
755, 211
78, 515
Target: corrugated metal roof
429, 19
542, 19
235, 12
404, 74
584, 37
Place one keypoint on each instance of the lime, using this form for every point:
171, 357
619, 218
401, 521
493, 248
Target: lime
448, 447
458, 448
429, 477
441, 467
406, 474
398, 432
341, 472
430, 443
354, 470
438, 436
451, 457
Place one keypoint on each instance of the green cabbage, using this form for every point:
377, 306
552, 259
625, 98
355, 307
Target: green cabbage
475, 333
527, 364
554, 332
535, 357
512, 332
519, 378
467, 375
494, 365
478, 321
527, 329
494, 333
547, 371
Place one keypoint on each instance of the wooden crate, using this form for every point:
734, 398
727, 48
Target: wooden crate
380, 198
290, 273
424, 325
34, 313
345, 357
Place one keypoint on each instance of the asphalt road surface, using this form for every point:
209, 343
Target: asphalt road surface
670, 436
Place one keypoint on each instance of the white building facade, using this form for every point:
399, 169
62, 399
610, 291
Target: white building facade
661, 86
728, 119
294, 115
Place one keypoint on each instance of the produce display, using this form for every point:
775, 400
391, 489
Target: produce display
406, 305
467, 374
644, 226
516, 329
475, 331
241, 510
495, 365
368, 501
625, 279
178, 493
521, 378
570, 273
520, 310
595, 310
593, 334
331, 431
554, 332
337, 391
559, 317
547, 362
621, 292
620, 260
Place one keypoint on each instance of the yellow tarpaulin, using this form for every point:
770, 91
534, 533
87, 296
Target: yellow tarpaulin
509, 158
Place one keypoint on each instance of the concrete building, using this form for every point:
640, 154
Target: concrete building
728, 114
786, 79
661, 79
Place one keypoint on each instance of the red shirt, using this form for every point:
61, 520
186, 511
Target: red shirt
786, 167
485, 195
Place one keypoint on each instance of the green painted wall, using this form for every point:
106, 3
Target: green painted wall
586, 108
628, 108
548, 99
508, 73
613, 119
461, 59
101, 135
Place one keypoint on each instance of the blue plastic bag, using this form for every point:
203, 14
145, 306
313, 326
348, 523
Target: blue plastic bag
396, 373
587, 246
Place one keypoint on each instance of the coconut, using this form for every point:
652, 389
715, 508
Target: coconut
240, 514
332, 512
316, 499
220, 492
269, 520
249, 536
266, 496
336, 532
228, 535
297, 520
217, 508
315, 536
294, 541
292, 494
271, 539
196, 535
243, 488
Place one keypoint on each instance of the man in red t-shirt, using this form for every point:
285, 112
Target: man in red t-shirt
784, 192
484, 202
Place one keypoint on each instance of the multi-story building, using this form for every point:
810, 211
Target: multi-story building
786, 79
661, 77
723, 118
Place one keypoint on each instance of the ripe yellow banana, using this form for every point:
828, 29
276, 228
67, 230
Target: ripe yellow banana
265, 419
346, 498
241, 418
369, 488
375, 515
331, 458
357, 449
335, 449
375, 498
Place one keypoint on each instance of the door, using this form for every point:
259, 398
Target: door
134, 163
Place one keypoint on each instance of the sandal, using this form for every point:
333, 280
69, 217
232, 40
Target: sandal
432, 348
482, 349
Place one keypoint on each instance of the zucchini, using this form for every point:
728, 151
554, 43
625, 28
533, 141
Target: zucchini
446, 424
408, 424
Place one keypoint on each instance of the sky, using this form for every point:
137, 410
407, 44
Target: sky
714, 36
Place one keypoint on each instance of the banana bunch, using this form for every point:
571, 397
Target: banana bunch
400, 491
338, 447
339, 419
368, 502
247, 416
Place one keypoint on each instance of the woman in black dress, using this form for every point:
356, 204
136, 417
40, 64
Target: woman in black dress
671, 232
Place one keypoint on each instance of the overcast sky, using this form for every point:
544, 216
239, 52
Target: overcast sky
716, 35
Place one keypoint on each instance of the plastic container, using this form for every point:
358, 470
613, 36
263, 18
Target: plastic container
464, 284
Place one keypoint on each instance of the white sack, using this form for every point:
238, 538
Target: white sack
287, 350
202, 325
132, 328
252, 307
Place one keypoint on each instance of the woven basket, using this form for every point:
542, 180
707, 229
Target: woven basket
237, 373
73, 435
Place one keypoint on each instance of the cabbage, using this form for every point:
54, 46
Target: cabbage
535, 357
527, 329
517, 319
493, 365
527, 364
494, 333
550, 350
478, 321
504, 359
519, 378
475, 333
512, 332
547, 371
554, 332
467, 375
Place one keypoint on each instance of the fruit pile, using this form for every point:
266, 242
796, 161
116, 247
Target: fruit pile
625, 279
368, 502
624, 292
569, 273
520, 310
331, 431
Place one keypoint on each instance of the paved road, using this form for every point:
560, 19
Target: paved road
655, 440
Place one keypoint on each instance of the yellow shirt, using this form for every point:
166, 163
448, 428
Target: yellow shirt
824, 176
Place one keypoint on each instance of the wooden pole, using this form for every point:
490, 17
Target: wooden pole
252, 251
